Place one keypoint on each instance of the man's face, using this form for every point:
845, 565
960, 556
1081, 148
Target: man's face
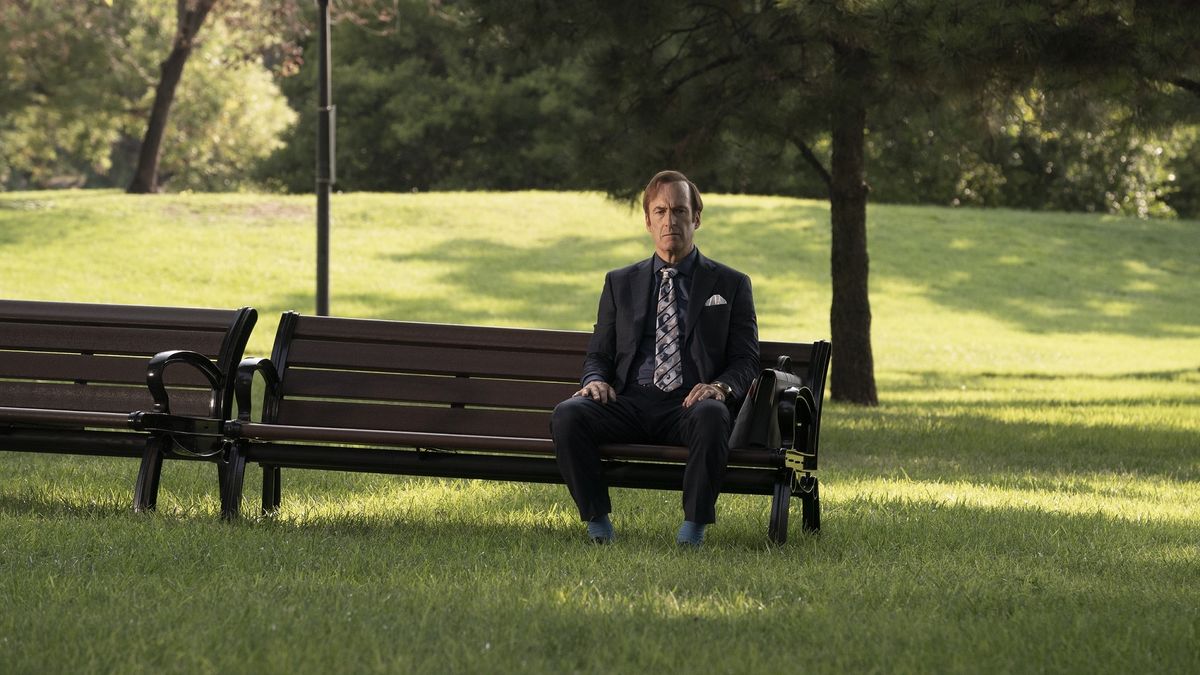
671, 221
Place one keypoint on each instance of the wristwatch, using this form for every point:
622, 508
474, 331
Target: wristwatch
726, 390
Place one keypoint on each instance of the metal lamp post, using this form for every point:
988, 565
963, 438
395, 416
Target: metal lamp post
326, 120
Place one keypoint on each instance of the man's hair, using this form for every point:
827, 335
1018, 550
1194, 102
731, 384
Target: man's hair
662, 178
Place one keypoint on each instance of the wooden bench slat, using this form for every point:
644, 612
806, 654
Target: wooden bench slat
801, 354
462, 465
505, 444
435, 360
526, 364
448, 335
120, 369
111, 442
426, 389
187, 318
97, 398
375, 436
415, 418
108, 340
485, 337
63, 418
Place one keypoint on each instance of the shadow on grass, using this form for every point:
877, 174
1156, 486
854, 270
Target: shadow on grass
46, 506
1064, 273
982, 440
856, 527
488, 283
555, 285
776, 237
1175, 375
1069, 273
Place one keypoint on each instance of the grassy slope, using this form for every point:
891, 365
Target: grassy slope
1025, 497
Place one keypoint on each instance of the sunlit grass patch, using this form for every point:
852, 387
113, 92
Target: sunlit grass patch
1122, 498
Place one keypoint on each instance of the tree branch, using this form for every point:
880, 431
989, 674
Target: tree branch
688, 31
813, 161
712, 65
1188, 84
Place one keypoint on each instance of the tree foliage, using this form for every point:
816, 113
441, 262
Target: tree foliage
1038, 149
428, 100
77, 82
485, 105
68, 80
228, 115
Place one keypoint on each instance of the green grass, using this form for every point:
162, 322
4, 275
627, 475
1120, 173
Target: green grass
1024, 499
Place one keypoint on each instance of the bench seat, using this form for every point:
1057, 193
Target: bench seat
463, 401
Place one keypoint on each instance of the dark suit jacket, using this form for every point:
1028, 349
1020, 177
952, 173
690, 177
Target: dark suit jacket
721, 340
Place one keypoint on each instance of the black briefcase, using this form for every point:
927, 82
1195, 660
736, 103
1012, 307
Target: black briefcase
757, 425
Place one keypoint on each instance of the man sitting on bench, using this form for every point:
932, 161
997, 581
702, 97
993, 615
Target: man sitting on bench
675, 343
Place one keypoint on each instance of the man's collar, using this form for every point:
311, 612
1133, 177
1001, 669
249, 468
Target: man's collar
685, 266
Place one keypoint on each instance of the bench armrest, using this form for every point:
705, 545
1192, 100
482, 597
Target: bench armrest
188, 436
158, 365
175, 424
243, 383
797, 414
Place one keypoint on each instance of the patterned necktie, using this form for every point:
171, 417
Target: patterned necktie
667, 373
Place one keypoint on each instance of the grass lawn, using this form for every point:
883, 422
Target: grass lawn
1025, 498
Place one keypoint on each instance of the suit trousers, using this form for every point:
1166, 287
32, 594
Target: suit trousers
642, 414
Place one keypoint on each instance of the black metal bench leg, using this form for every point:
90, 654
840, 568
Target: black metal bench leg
234, 471
223, 480
781, 499
145, 490
810, 497
271, 492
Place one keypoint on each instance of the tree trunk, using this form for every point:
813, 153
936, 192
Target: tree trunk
852, 376
190, 16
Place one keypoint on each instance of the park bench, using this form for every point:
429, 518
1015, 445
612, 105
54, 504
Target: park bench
91, 379
472, 402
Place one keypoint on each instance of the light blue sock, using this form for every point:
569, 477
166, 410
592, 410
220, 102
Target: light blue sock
690, 534
600, 530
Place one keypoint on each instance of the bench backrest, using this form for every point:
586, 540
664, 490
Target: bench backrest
92, 357
394, 375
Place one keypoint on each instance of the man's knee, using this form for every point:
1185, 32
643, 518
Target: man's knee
710, 416
569, 414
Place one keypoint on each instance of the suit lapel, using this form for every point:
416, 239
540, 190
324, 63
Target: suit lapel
704, 278
639, 291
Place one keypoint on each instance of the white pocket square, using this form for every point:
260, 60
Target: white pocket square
715, 300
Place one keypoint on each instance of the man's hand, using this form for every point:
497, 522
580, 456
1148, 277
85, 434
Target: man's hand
598, 390
701, 392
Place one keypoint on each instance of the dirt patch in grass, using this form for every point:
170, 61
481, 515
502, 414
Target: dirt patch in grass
278, 210
255, 212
